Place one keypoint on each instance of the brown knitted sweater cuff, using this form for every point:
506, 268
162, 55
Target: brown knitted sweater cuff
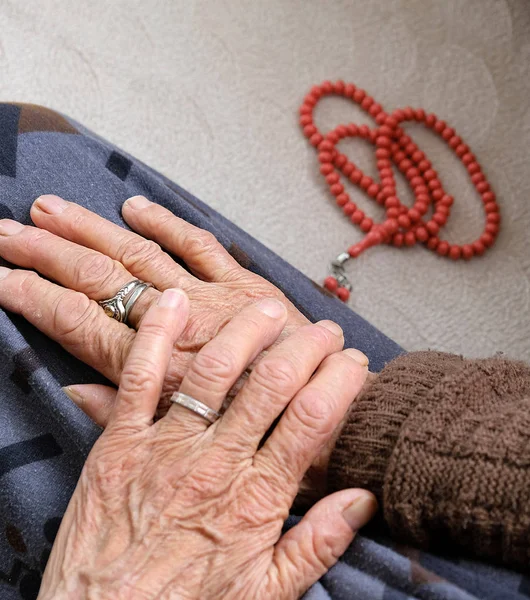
366, 442
445, 445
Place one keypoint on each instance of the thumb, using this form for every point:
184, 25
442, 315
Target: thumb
311, 548
94, 400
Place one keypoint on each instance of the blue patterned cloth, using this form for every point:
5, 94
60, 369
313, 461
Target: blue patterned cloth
45, 439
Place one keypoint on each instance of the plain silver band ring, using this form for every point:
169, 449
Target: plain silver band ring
134, 297
115, 308
195, 406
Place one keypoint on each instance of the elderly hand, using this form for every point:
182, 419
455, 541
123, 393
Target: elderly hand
93, 258
88, 254
181, 509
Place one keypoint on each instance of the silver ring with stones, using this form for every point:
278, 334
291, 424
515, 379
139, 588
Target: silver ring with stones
119, 306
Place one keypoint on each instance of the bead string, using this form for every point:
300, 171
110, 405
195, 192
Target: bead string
403, 225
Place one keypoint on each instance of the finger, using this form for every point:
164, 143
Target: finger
219, 364
76, 267
144, 371
143, 258
307, 551
314, 414
199, 249
96, 401
275, 380
69, 318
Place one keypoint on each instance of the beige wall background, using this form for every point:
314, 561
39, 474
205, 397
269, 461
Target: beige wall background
207, 92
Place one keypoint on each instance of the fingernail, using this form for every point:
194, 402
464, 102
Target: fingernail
331, 326
360, 511
137, 202
74, 395
272, 308
53, 205
171, 298
357, 356
9, 227
4, 272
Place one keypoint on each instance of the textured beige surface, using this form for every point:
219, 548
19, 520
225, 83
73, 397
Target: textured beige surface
208, 91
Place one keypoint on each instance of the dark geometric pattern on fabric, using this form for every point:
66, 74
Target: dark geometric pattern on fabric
30, 585
23, 573
242, 257
27, 452
40, 118
119, 165
26, 362
419, 575
5, 212
9, 116
51, 528
15, 539
524, 588
13, 576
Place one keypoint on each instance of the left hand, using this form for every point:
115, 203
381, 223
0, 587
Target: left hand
88, 254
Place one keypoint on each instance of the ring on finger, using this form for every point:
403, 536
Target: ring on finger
195, 406
120, 305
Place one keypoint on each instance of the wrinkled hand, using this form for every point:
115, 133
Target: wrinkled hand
88, 254
92, 258
177, 509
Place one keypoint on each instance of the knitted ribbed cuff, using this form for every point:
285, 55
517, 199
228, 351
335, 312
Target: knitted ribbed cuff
370, 433
459, 474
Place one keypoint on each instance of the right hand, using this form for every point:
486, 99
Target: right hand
181, 509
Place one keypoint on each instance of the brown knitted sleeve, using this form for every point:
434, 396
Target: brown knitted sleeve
445, 445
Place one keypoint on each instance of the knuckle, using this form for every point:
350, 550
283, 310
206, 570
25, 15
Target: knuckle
256, 323
163, 219
32, 238
154, 330
105, 473
140, 253
93, 271
324, 551
342, 363
204, 484
253, 323
28, 280
139, 377
346, 372
73, 314
320, 336
200, 242
278, 376
214, 366
78, 219
312, 409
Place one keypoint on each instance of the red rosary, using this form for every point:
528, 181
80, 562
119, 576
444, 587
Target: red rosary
403, 225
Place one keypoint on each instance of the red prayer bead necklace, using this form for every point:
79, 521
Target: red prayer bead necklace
403, 225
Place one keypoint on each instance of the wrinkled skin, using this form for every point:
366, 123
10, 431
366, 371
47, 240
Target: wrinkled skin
86, 253
92, 258
179, 509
